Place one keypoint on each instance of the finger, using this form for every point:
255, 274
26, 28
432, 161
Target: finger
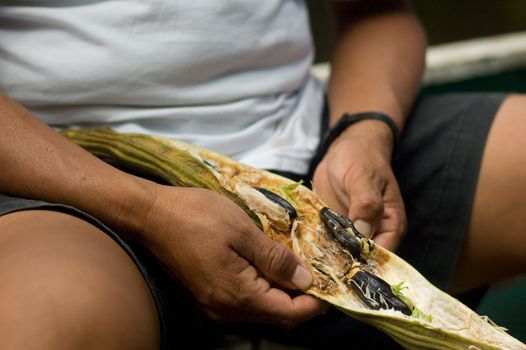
322, 185
394, 222
391, 230
388, 240
281, 310
265, 304
274, 261
366, 203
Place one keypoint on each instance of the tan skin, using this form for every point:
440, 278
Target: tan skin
226, 272
373, 70
495, 245
226, 266
66, 285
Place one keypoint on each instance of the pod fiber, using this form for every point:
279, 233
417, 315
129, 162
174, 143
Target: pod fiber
350, 271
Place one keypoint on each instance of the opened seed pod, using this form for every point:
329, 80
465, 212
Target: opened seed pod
360, 278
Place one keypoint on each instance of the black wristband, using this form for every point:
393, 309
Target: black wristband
347, 120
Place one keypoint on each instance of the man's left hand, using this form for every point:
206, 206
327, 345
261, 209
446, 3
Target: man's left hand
355, 178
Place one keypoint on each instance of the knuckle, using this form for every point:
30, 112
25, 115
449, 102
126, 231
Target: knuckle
277, 259
245, 229
403, 227
244, 298
245, 295
208, 298
370, 204
223, 308
212, 301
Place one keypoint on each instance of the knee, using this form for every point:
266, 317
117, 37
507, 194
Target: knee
66, 285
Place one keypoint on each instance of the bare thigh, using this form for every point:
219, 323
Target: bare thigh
495, 244
65, 284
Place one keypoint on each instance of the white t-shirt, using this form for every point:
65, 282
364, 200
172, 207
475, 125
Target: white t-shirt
231, 75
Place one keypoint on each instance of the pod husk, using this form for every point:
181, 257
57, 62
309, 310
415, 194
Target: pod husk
449, 323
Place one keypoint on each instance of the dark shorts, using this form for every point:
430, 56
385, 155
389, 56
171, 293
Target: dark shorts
437, 165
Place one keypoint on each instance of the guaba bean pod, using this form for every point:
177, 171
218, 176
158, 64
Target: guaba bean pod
349, 271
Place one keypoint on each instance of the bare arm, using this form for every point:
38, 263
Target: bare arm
376, 66
203, 239
379, 58
39, 163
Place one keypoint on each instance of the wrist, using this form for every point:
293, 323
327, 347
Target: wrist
344, 124
367, 130
376, 133
134, 199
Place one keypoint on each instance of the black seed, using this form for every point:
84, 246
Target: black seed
344, 221
349, 242
376, 293
280, 201
333, 224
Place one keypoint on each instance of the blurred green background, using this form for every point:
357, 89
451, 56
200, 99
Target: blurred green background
446, 21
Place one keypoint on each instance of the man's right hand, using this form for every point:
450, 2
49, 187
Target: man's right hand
205, 240
234, 271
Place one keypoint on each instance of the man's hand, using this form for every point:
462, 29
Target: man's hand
376, 65
234, 271
355, 179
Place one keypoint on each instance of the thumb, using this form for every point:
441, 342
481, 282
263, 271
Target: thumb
276, 262
366, 208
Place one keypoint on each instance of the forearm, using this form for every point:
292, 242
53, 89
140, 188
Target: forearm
377, 64
39, 163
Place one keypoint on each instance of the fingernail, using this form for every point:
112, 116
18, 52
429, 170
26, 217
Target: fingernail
363, 227
302, 278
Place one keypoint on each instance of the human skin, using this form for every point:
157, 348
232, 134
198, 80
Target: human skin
39, 163
376, 66
203, 239
495, 242
67, 285
226, 265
